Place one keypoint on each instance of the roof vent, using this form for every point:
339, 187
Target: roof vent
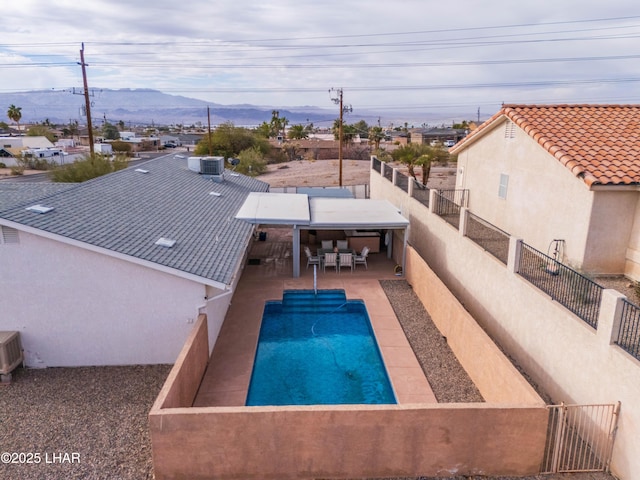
39, 208
165, 242
141, 170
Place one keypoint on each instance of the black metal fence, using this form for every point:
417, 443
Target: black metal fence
576, 292
402, 181
448, 204
388, 172
488, 236
377, 165
629, 334
420, 193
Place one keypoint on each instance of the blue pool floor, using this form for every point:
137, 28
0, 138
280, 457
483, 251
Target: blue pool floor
318, 348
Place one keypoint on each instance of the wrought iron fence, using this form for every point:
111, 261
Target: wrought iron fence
448, 204
458, 196
447, 209
488, 236
388, 172
571, 289
580, 438
629, 334
420, 192
402, 181
377, 165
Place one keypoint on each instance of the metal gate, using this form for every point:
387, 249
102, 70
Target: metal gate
580, 438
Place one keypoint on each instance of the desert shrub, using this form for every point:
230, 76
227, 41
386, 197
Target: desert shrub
3, 165
87, 168
120, 146
252, 162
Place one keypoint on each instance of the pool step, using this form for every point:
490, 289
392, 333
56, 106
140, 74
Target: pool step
307, 301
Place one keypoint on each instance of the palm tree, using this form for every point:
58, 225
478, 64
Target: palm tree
15, 114
297, 132
376, 135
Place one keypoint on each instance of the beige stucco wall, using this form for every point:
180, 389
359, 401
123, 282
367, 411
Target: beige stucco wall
571, 361
545, 201
632, 255
77, 307
342, 441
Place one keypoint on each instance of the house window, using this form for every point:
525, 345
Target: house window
504, 184
509, 129
8, 235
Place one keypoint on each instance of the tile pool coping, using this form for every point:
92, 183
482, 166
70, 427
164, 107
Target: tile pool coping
226, 380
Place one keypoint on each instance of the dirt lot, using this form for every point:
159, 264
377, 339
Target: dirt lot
325, 173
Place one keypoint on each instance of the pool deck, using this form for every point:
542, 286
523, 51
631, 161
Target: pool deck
226, 381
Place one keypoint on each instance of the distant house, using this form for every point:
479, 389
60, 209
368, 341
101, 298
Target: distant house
443, 136
14, 146
116, 270
563, 174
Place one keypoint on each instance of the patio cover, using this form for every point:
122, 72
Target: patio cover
318, 213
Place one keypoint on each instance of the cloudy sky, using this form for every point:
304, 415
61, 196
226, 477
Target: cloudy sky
412, 55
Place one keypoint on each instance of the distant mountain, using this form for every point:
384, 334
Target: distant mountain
149, 107
145, 106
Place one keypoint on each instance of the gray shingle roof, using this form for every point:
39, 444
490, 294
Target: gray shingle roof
128, 211
13, 194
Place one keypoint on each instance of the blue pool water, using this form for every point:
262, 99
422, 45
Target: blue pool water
317, 349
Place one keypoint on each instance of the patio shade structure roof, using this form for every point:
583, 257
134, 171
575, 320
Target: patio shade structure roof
319, 213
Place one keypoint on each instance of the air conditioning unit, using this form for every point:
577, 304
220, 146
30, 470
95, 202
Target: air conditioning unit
212, 165
10, 352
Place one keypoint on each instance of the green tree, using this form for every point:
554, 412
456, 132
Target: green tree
15, 114
121, 125
264, 130
278, 124
88, 167
42, 131
4, 125
376, 135
121, 147
110, 132
297, 132
419, 155
252, 162
361, 128
228, 141
349, 132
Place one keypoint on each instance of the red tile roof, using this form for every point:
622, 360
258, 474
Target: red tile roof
598, 143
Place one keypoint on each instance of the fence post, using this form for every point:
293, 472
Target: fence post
383, 166
394, 177
432, 200
410, 187
513, 258
610, 316
464, 217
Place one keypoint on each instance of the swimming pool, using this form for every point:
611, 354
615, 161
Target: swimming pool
317, 349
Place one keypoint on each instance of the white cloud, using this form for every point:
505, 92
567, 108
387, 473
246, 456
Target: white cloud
405, 54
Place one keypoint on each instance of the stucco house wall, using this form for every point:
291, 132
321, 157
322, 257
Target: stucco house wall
632, 256
74, 307
545, 201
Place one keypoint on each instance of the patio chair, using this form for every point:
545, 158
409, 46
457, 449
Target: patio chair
346, 260
311, 259
362, 258
330, 260
327, 244
342, 244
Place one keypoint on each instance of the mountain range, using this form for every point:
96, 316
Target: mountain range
152, 107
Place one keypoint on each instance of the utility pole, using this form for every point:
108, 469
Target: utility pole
87, 103
343, 109
209, 130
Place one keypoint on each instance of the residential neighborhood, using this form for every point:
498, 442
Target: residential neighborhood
319, 241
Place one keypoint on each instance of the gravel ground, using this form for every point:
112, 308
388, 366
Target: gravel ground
100, 413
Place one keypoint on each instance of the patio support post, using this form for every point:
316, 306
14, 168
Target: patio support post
296, 251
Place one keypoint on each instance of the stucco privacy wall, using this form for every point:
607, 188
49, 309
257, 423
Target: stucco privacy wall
537, 185
632, 266
561, 353
76, 307
494, 375
347, 441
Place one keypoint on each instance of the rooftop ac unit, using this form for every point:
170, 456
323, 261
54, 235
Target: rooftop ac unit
212, 165
10, 352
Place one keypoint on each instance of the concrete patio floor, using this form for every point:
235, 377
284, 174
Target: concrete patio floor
228, 374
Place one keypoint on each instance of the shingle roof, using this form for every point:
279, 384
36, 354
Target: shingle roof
13, 194
598, 143
128, 211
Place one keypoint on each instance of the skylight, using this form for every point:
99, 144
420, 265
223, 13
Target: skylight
39, 208
165, 242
